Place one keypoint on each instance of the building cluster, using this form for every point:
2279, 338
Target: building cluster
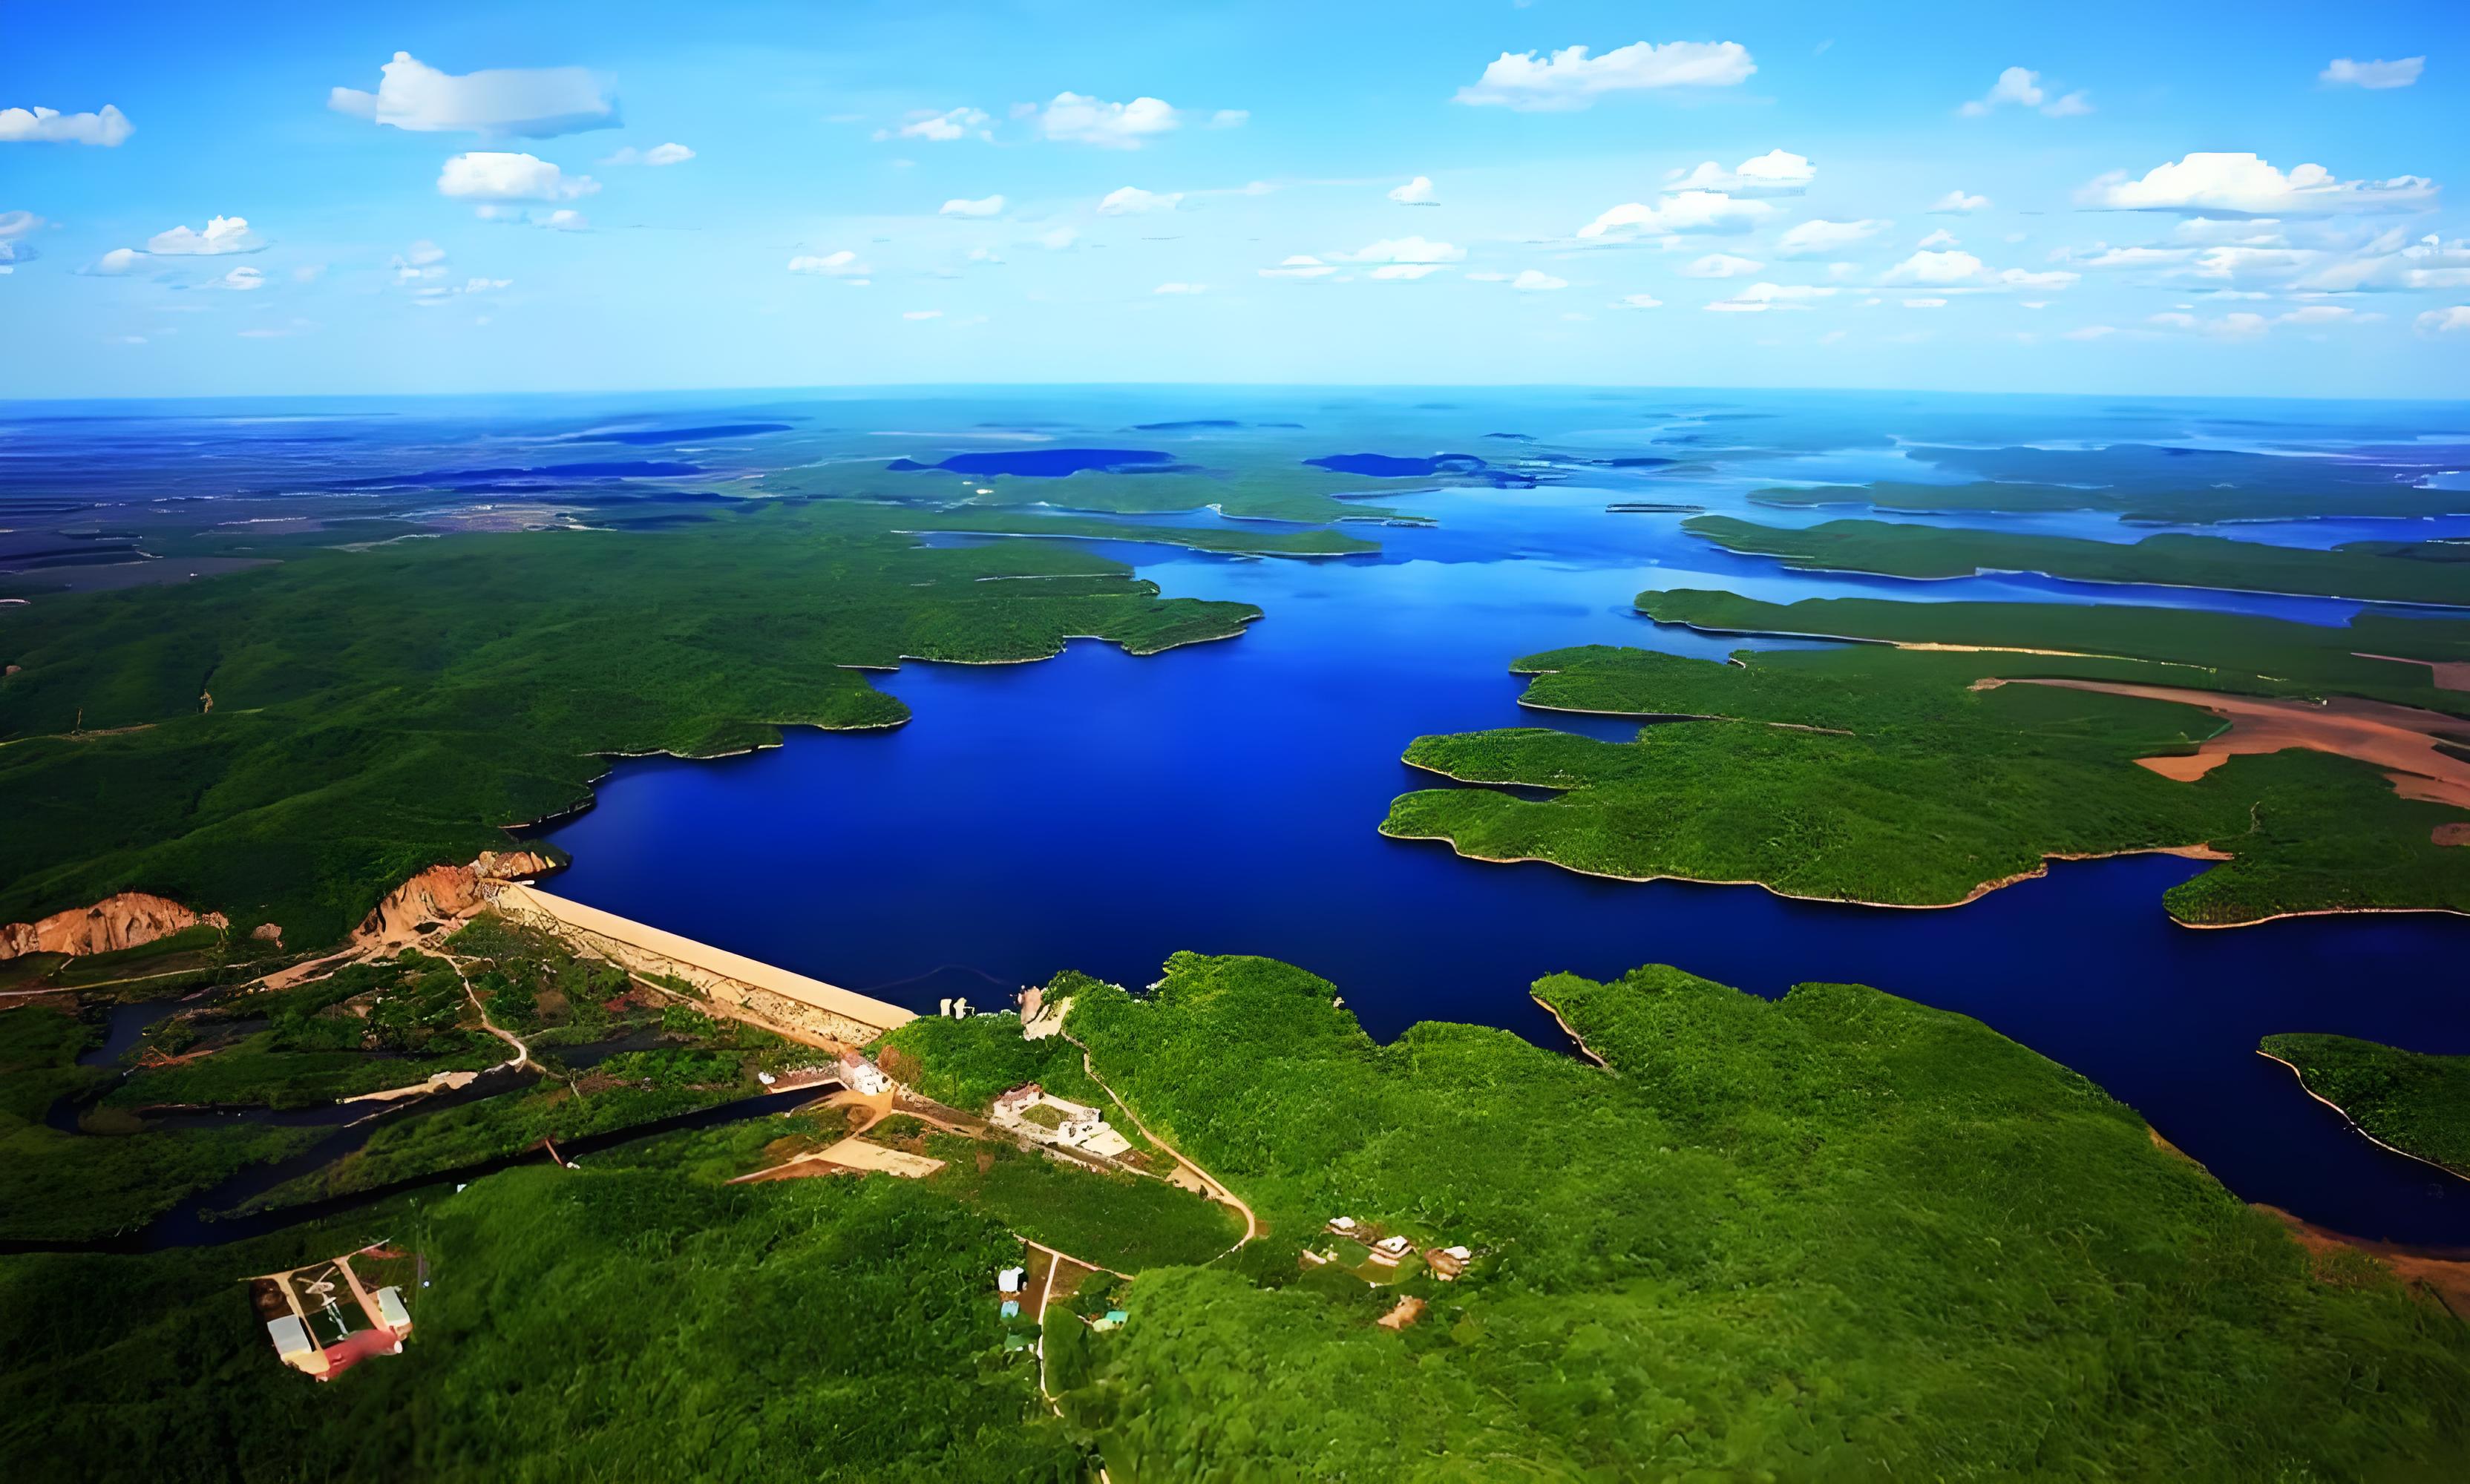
1038, 1115
1388, 1252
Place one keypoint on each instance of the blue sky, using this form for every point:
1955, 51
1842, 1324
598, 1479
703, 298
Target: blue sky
782, 194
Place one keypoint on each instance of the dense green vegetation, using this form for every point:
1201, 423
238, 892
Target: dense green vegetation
2207, 651
966, 1063
2142, 501
2416, 1102
2397, 571
634, 1324
1876, 775
1230, 540
378, 712
1126, 1222
1257, 484
57, 1185
1839, 1236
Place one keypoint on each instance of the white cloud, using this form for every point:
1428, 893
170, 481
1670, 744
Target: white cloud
921, 314
421, 254
118, 261
566, 218
1571, 78
1534, 281
941, 128
1302, 264
223, 235
987, 206
2386, 263
1955, 204
2101, 257
278, 333
488, 174
2246, 325
242, 279
1758, 299
1057, 238
1723, 264
17, 223
1638, 301
1079, 120
1230, 117
1180, 288
2022, 88
533, 102
1687, 212
1406, 250
49, 126
2089, 333
2245, 185
1418, 192
842, 264
2345, 73
1940, 237
12, 253
1950, 266
658, 154
1132, 200
2455, 320
1405, 272
1818, 238
1924, 304
1776, 173
2242, 232
439, 296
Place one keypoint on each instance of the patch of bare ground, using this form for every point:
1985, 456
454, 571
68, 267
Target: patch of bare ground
1409, 1310
2444, 674
2405, 741
2442, 1273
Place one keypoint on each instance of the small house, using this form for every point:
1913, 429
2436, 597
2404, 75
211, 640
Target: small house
1393, 1245
863, 1077
1019, 1098
1008, 1279
1345, 1226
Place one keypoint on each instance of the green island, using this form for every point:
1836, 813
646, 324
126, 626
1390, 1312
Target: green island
2412, 1101
2136, 503
2386, 572
1838, 1233
1924, 776
284, 745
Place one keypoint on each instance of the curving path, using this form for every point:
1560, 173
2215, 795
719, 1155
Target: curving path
1217, 1188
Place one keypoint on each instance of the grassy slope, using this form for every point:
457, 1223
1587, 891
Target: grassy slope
2415, 1102
2182, 506
1252, 488
378, 711
1922, 791
1231, 541
2379, 570
1839, 1236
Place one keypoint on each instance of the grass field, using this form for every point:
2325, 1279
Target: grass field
2416, 1102
2391, 571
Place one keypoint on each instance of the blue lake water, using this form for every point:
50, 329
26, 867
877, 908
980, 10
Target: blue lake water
1099, 812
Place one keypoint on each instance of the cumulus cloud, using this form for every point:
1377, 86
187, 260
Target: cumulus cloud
1952, 268
1418, 192
1712, 211
2455, 320
107, 127
1723, 264
1132, 202
531, 102
1776, 173
2246, 185
1638, 301
2342, 72
1939, 238
1536, 281
1057, 238
1758, 299
659, 154
940, 127
1115, 126
17, 223
842, 264
1955, 204
2022, 88
2382, 264
1180, 288
494, 176
1571, 79
1411, 252
116, 262
1819, 238
984, 206
1302, 264
566, 218
242, 279
223, 235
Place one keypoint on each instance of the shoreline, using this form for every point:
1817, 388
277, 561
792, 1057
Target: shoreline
2353, 1122
1575, 1039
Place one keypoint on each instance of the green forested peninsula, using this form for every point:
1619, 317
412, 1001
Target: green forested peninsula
2389, 572
1893, 776
285, 744
1837, 1235
2416, 1102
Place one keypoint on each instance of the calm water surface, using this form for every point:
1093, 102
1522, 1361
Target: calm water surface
1099, 812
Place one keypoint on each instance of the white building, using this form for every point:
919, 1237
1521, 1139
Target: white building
863, 1077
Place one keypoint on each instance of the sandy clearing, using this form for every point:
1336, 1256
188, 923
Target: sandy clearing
2445, 674
2441, 1272
2400, 739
